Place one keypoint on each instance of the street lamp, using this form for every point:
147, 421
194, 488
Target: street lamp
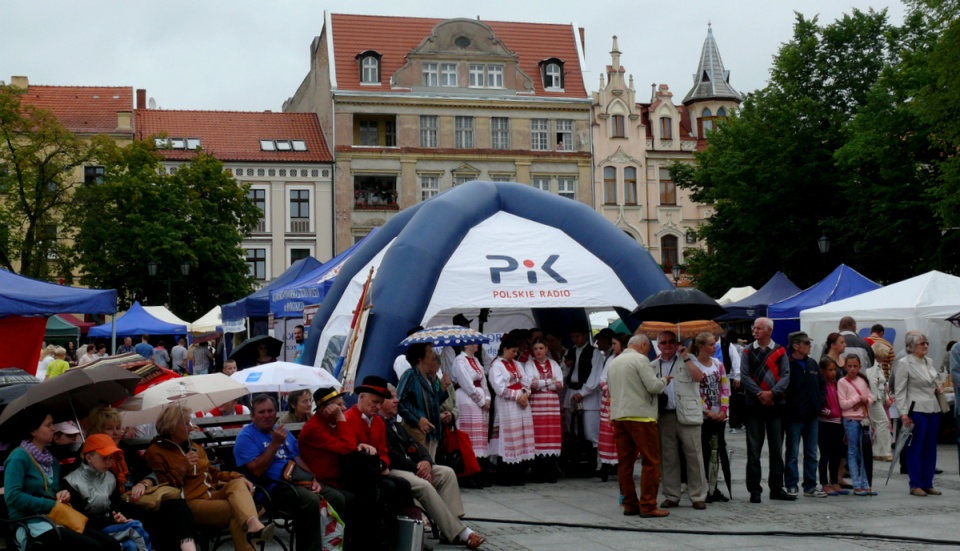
675, 269
184, 271
824, 244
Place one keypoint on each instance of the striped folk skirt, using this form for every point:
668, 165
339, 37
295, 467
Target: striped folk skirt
606, 447
513, 430
473, 420
547, 430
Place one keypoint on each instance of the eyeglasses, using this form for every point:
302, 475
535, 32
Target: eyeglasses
662, 343
925, 343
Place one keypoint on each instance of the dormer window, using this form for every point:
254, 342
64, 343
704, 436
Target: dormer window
369, 67
721, 112
552, 70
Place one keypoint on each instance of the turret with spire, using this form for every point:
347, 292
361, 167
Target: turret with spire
711, 81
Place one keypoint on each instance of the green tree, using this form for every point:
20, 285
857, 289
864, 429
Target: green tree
40, 164
139, 214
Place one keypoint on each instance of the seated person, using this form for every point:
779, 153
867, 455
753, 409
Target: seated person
233, 407
434, 486
299, 407
262, 452
66, 445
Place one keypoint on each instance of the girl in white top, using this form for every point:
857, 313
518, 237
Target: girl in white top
473, 398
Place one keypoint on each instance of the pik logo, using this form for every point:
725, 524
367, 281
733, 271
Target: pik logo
512, 265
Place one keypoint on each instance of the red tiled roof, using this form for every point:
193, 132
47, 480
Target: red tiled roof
236, 135
86, 109
686, 125
394, 37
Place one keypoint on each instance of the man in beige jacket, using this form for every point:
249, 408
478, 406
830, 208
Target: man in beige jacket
633, 413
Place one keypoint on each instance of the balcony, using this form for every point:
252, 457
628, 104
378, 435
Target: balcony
299, 225
261, 226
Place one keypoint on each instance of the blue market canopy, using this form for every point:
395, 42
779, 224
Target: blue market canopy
257, 304
24, 296
137, 321
755, 305
288, 301
494, 245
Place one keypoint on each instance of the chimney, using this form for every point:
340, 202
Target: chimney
19, 82
141, 98
123, 121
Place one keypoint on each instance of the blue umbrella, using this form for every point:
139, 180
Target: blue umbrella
444, 335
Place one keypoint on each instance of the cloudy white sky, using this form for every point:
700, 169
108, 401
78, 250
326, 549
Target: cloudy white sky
247, 55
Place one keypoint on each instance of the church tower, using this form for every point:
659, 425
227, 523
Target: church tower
711, 97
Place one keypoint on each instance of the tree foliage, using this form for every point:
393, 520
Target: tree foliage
138, 214
40, 167
837, 144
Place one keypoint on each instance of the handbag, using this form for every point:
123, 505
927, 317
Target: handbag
295, 474
449, 453
155, 496
944, 404
62, 514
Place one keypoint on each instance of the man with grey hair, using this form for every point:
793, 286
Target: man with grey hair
765, 376
633, 414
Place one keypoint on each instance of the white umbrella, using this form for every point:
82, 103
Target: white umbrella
199, 393
284, 377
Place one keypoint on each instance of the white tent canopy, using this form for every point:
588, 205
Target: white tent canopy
735, 294
162, 314
921, 303
208, 323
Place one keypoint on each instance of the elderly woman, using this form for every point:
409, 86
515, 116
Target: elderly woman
882, 400
32, 487
915, 393
170, 524
216, 498
546, 380
420, 397
299, 407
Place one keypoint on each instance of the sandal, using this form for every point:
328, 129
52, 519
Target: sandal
261, 536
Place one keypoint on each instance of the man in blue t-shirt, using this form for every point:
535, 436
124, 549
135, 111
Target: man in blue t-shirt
262, 452
144, 348
298, 338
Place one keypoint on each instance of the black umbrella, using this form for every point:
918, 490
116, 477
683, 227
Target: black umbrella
248, 353
9, 393
73, 394
678, 305
15, 375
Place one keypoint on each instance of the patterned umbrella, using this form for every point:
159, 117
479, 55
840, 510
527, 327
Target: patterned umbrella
687, 329
444, 335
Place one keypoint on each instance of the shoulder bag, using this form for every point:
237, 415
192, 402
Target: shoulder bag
62, 514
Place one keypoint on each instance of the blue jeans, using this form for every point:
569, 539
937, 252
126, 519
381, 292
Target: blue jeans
858, 476
809, 431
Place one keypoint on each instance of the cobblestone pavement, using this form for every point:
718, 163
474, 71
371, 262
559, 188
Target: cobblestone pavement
591, 502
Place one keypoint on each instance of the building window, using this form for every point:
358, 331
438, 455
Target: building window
706, 122
299, 210
494, 76
298, 254
429, 186
666, 128
299, 145
431, 74
259, 198
257, 263
668, 190
542, 183
553, 75
464, 132
477, 74
370, 70
92, 174
375, 192
459, 179
669, 251
496, 177
618, 130
564, 135
567, 187
448, 75
721, 112
500, 133
374, 130
630, 186
609, 185
47, 240
428, 130
369, 133
539, 128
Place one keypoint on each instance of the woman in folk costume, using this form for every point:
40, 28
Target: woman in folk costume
512, 438
546, 379
473, 399
607, 448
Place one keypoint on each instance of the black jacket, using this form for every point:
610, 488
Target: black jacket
807, 392
405, 452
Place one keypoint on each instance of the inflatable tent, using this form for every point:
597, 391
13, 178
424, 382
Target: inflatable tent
843, 282
755, 305
504, 246
923, 303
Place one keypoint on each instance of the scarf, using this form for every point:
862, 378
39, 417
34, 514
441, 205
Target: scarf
120, 470
43, 456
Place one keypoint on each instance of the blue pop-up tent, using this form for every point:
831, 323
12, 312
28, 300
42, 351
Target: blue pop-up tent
754, 306
137, 321
843, 282
289, 300
497, 245
24, 296
257, 304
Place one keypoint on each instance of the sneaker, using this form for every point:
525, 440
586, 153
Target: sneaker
814, 493
793, 490
733, 431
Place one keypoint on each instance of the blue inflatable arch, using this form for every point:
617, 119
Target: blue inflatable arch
428, 233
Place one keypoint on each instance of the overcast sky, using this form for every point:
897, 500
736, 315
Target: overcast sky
246, 55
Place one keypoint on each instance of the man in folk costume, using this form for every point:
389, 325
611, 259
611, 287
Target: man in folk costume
680, 421
765, 375
582, 360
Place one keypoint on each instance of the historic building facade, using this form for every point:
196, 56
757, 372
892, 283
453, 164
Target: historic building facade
415, 106
636, 142
285, 159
